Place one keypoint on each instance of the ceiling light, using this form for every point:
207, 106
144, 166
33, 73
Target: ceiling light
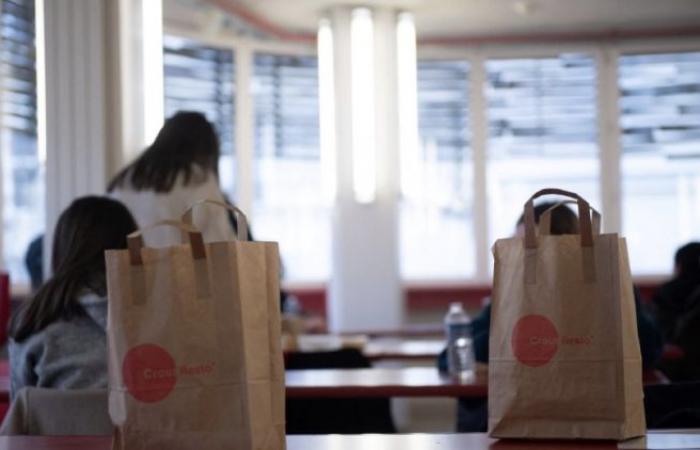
152, 35
408, 104
326, 102
362, 86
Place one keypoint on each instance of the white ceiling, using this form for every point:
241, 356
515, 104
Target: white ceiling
496, 17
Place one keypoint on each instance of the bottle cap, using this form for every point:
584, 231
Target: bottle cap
456, 306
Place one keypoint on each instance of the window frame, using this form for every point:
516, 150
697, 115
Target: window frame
21, 288
644, 47
244, 50
606, 54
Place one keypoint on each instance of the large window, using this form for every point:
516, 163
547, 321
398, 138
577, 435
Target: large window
22, 166
288, 204
542, 116
201, 78
660, 122
436, 212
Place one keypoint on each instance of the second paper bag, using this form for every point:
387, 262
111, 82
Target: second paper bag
564, 359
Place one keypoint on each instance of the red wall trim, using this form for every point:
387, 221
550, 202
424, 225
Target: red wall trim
313, 300
437, 297
424, 298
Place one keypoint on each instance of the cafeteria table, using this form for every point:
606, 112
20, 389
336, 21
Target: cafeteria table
375, 349
377, 382
383, 382
398, 382
374, 382
682, 439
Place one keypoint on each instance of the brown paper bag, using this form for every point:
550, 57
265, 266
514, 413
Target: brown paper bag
564, 359
194, 345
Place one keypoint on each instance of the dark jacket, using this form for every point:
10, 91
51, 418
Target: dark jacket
672, 300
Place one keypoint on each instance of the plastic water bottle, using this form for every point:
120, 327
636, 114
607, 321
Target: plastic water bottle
460, 357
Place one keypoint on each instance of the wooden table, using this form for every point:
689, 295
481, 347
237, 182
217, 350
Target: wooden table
402, 382
398, 382
375, 382
476, 441
375, 349
381, 382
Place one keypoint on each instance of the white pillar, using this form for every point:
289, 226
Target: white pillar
245, 129
609, 140
76, 116
95, 100
365, 290
478, 123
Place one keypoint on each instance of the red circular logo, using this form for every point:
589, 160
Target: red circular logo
535, 340
149, 373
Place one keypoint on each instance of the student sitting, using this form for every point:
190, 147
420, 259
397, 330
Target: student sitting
677, 305
673, 299
58, 338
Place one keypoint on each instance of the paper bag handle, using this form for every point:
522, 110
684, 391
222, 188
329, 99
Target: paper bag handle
585, 227
241, 219
135, 240
545, 224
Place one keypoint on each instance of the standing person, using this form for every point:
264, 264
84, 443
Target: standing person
58, 339
178, 169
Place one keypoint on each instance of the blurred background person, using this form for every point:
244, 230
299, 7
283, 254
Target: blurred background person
179, 168
677, 306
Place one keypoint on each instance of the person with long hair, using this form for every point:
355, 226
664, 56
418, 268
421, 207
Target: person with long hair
179, 168
58, 338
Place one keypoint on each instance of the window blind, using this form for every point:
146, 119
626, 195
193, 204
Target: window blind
542, 106
286, 106
201, 78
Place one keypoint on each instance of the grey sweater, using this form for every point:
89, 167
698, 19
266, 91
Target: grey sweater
66, 354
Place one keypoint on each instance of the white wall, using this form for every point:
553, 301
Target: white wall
365, 289
95, 97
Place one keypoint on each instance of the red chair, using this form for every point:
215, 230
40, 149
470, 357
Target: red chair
4, 306
672, 353
4, 321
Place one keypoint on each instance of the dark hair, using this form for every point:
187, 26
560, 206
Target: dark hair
186, 140
687, 259
564, 220
88, 227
